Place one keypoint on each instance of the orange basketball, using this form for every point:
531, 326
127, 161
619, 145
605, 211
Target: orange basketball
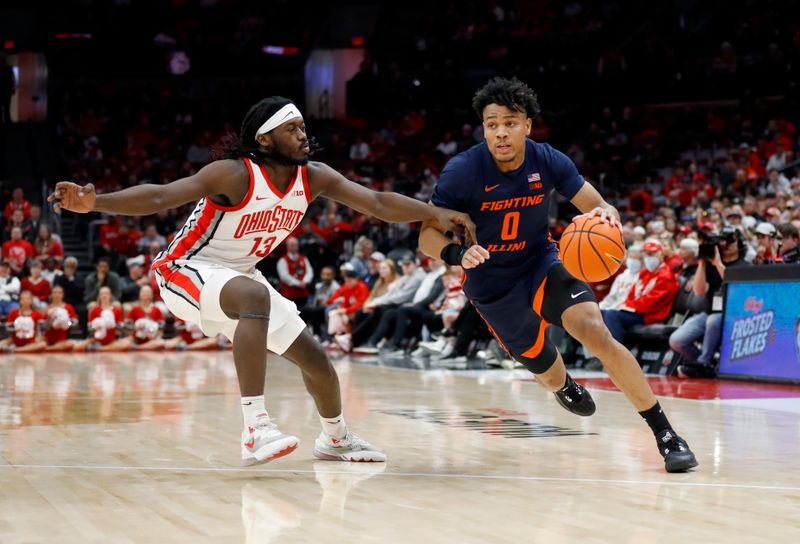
591, 249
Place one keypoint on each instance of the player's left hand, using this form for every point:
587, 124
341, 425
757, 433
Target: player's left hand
457, 222
475, 256
605, 216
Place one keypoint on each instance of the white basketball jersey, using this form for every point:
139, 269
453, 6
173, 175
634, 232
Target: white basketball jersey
239, 236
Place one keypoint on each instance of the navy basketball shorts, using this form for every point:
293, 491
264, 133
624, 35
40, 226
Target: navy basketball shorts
519, 318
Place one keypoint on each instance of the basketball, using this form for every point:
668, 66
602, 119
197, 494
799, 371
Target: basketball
591, 249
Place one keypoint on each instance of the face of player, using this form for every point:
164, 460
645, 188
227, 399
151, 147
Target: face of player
287, 144
505, 131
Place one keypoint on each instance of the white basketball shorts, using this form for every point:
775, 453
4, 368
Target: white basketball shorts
192, 293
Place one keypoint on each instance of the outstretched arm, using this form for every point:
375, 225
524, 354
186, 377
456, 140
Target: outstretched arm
220, 178
389, 207
432, 241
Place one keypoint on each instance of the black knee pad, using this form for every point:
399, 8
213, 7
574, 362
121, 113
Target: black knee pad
542, 362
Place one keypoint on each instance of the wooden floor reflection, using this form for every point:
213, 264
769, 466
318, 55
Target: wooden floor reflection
144, 448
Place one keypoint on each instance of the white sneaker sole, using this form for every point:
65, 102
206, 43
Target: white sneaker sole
271, 451
353, 457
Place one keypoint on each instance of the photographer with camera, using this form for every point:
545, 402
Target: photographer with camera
718, 252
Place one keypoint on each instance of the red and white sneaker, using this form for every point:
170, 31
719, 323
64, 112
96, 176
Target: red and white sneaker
263, 442
350, 448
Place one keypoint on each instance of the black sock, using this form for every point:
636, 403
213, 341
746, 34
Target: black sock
656, 419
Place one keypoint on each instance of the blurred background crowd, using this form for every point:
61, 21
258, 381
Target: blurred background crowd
684, 116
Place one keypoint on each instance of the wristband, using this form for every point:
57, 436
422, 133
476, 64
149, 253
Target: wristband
452, 254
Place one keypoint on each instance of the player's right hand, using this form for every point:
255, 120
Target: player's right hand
71, 196
475, 256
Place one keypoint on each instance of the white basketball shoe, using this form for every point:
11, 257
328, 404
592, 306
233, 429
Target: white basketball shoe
263, 442
350, 448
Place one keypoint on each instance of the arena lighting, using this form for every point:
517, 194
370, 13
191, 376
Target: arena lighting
8, 44
73, 36
280, 50
357, 41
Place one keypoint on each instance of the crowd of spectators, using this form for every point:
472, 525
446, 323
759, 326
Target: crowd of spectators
676, 172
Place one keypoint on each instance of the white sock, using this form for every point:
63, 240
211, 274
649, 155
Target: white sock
334, 426
252, 409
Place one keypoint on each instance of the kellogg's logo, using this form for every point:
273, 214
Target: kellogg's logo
754, 305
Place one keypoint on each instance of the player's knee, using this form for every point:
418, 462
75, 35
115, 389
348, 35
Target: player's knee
594, 334
254, 302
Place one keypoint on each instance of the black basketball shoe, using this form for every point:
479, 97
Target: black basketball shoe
575, 398
675, 451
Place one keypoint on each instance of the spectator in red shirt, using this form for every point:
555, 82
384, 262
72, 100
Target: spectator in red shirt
25, 320
295, 273
18, 202
60, 316
16, 251
650, 299
190, 337
349, 298
108, 235
126, 242
37, 285
105, 318
47, 246
147, 323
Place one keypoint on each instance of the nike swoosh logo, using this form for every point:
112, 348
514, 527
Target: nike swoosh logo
576, 295
263, 197
613, 258
492, 188
251, 443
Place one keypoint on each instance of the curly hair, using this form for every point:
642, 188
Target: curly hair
511, 93
245, 144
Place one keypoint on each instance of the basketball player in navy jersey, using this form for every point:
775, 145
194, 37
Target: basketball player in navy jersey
248, 203
513, 275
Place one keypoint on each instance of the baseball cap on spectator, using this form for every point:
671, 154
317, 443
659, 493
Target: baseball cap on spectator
772, 212
652, 245
377, 256
135, 261
639, 231
734, 213
767, 229
685, 230
748, 221
790, 205
348, 270
407, 258
706, 225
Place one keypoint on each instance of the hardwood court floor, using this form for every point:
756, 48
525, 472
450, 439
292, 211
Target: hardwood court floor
144, 448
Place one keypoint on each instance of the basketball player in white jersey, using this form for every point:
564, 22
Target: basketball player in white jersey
249, 202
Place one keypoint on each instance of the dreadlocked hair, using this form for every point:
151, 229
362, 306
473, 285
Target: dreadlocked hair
245, 144
511, 93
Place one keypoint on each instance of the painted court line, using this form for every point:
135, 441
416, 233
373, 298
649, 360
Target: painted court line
409, 475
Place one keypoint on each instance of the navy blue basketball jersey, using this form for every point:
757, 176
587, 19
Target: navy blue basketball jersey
510, 211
